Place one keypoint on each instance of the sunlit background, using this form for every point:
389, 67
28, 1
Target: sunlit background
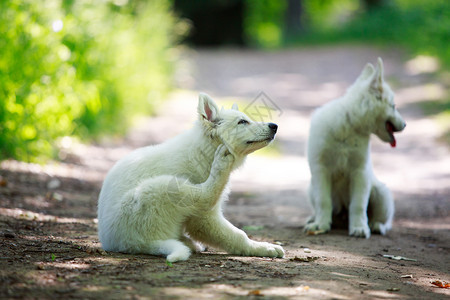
85, 69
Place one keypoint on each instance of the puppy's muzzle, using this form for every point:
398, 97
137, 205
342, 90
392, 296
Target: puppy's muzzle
269, 136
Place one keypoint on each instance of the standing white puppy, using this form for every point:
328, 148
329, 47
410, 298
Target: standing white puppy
342, 178
160, 199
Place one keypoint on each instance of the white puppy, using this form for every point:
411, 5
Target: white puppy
342, 179
158, 198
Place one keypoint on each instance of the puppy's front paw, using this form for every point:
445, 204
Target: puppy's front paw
317, 227
362, 230
263, 249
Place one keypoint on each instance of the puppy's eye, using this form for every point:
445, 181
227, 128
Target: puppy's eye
243, 122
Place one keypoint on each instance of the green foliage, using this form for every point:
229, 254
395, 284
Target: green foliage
79, 68
169, 264
420, 25
327, 15
423, 26
263, 23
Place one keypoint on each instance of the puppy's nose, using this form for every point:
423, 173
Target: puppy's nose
273, 126
400, 129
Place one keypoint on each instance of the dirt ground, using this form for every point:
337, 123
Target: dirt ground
49, 247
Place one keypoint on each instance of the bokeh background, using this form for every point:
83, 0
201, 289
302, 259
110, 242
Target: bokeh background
86, 69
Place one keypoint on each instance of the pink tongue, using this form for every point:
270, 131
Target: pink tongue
390, 130
393, 143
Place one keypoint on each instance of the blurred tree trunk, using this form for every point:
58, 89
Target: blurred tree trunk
294, 18
370, 5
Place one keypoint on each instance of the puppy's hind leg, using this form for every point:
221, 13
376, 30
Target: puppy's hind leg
381, 208
320, 198
152, 217
311, 201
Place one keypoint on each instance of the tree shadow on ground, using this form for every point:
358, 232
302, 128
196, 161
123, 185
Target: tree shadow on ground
50, 247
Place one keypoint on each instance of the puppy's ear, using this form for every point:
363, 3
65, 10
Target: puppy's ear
235, 107
376, 84
207, 108
367, 72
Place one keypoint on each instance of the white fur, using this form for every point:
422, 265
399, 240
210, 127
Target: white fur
160, 199
339, 156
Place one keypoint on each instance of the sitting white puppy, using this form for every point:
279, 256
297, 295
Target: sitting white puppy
342, 179
158, 198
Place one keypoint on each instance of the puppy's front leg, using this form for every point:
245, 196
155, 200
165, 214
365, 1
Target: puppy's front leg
209, 193
211, 227
203, 196
220, 171
359, 193
214, 230
320, 197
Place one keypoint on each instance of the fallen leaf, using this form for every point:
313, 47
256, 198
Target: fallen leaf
53, 184
305, 259
315, 232
441, 284
3, 181
101, 251
302, 288
396, 257
394, 289
58, 197
255, 293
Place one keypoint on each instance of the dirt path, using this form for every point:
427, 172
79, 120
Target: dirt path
49, 247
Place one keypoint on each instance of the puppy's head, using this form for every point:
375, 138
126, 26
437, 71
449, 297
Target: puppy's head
233, 128
386, 117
